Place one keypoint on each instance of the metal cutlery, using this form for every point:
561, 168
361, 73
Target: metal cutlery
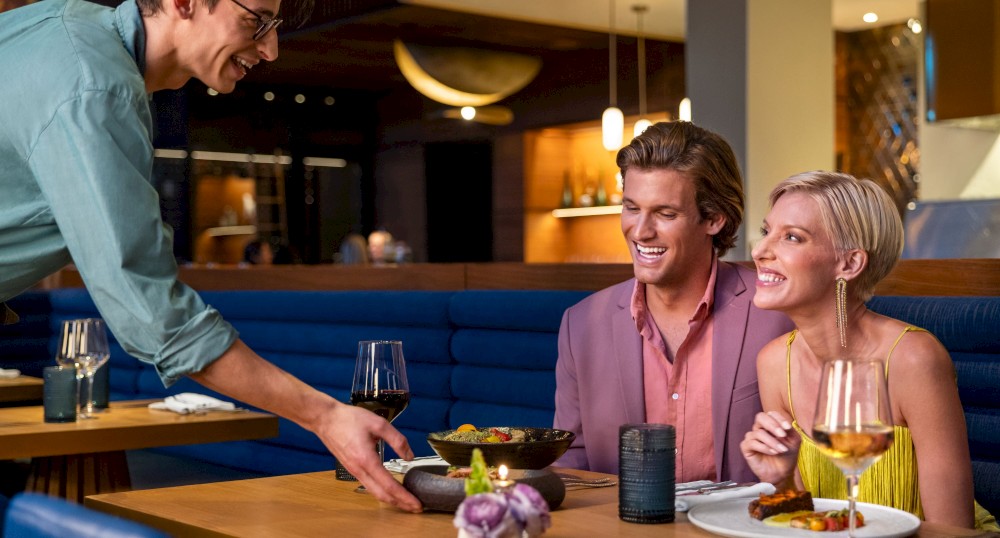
588, 483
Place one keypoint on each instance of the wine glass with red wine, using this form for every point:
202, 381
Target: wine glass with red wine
380, 384
853, 424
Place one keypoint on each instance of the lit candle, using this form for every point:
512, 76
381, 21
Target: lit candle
502, 484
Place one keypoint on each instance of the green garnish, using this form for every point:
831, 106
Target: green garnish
479, 478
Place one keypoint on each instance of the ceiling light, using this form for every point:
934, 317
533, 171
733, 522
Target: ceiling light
489, 115
329, 101
915, 26
269, 96
212, 92
462, 76
612, 121
869, 17
299, 98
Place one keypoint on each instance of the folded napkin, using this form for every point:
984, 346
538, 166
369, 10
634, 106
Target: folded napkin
683, 503
9, 373
189, 402
401, 466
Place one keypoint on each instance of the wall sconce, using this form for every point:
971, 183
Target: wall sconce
463, 77
612, 121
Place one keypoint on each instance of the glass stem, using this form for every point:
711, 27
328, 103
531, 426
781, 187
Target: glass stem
852, 495
90, 392
79, 389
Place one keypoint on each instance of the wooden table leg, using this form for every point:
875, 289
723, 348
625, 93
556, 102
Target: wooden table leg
76, 476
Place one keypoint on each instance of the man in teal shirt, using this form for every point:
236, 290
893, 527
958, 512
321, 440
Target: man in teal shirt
75, 161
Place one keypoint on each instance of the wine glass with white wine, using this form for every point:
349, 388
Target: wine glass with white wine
84, 344
853, 424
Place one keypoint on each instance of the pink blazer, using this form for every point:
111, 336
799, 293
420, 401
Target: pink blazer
599, 372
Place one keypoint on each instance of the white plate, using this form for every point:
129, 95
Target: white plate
731, 518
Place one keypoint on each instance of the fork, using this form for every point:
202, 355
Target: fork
589, 483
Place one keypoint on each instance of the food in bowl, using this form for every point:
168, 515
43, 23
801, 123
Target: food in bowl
537, 449
464, 434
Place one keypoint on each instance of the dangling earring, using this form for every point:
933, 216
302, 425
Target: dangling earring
842, 310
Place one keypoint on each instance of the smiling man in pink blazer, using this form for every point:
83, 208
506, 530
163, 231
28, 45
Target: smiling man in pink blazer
678, 343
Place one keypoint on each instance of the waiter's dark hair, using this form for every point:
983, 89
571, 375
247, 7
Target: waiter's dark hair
704, 157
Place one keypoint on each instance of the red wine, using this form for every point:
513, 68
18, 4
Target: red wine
387, 404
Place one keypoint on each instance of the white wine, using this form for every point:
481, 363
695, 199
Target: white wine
853, 449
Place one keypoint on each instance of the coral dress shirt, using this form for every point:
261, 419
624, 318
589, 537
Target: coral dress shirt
678, 390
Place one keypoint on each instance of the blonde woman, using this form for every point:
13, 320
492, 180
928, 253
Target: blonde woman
827, 241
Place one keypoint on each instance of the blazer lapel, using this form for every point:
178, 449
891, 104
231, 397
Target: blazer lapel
627, 349
731, 313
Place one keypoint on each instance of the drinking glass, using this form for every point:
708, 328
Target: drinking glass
853, 424
380, 384
84, 344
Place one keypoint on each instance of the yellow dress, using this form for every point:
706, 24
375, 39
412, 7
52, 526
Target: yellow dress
890, 481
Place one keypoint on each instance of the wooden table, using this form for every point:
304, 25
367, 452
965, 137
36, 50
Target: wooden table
316, 504
21, 389
81, 458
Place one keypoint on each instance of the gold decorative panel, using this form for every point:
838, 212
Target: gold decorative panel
877, 108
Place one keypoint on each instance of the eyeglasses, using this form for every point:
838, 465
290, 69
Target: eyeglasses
265, 24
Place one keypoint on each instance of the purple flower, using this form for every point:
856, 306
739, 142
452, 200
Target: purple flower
486, 515
529, 509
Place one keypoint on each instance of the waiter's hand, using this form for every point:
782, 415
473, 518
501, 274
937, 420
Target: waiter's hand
351, 434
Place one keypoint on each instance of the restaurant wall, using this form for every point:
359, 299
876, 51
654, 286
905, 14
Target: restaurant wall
958, 163
763, 77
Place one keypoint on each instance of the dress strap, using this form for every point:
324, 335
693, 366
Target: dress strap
907, 329
788, 371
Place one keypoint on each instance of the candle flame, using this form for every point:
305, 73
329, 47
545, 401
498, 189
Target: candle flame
502, 472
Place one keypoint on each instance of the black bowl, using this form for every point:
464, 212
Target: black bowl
541, 447
438, 492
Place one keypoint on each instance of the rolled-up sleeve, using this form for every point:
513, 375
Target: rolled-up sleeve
93, 162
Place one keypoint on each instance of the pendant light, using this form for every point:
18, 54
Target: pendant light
612, 121
684, 112
642, 124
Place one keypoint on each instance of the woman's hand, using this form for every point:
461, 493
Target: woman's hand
771, 448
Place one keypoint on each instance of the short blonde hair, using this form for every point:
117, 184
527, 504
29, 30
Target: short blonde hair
858, 214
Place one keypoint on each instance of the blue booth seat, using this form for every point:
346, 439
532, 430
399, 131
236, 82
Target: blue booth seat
32, 515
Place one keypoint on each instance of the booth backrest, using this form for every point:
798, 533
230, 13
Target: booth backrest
473, 356
969, 328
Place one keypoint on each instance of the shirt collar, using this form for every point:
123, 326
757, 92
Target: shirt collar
128, 22
638, 304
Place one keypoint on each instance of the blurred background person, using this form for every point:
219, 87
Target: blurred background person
380, 247
258, 252
353, 250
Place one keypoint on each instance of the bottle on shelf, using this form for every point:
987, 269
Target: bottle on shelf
601, 196
616, 196
567, 192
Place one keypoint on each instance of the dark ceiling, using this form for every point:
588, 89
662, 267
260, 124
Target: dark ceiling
348, 44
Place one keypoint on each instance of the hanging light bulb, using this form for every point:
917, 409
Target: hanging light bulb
684, 112
643, 123
612, 121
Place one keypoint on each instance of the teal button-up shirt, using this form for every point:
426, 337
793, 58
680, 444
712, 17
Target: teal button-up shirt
75, 161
